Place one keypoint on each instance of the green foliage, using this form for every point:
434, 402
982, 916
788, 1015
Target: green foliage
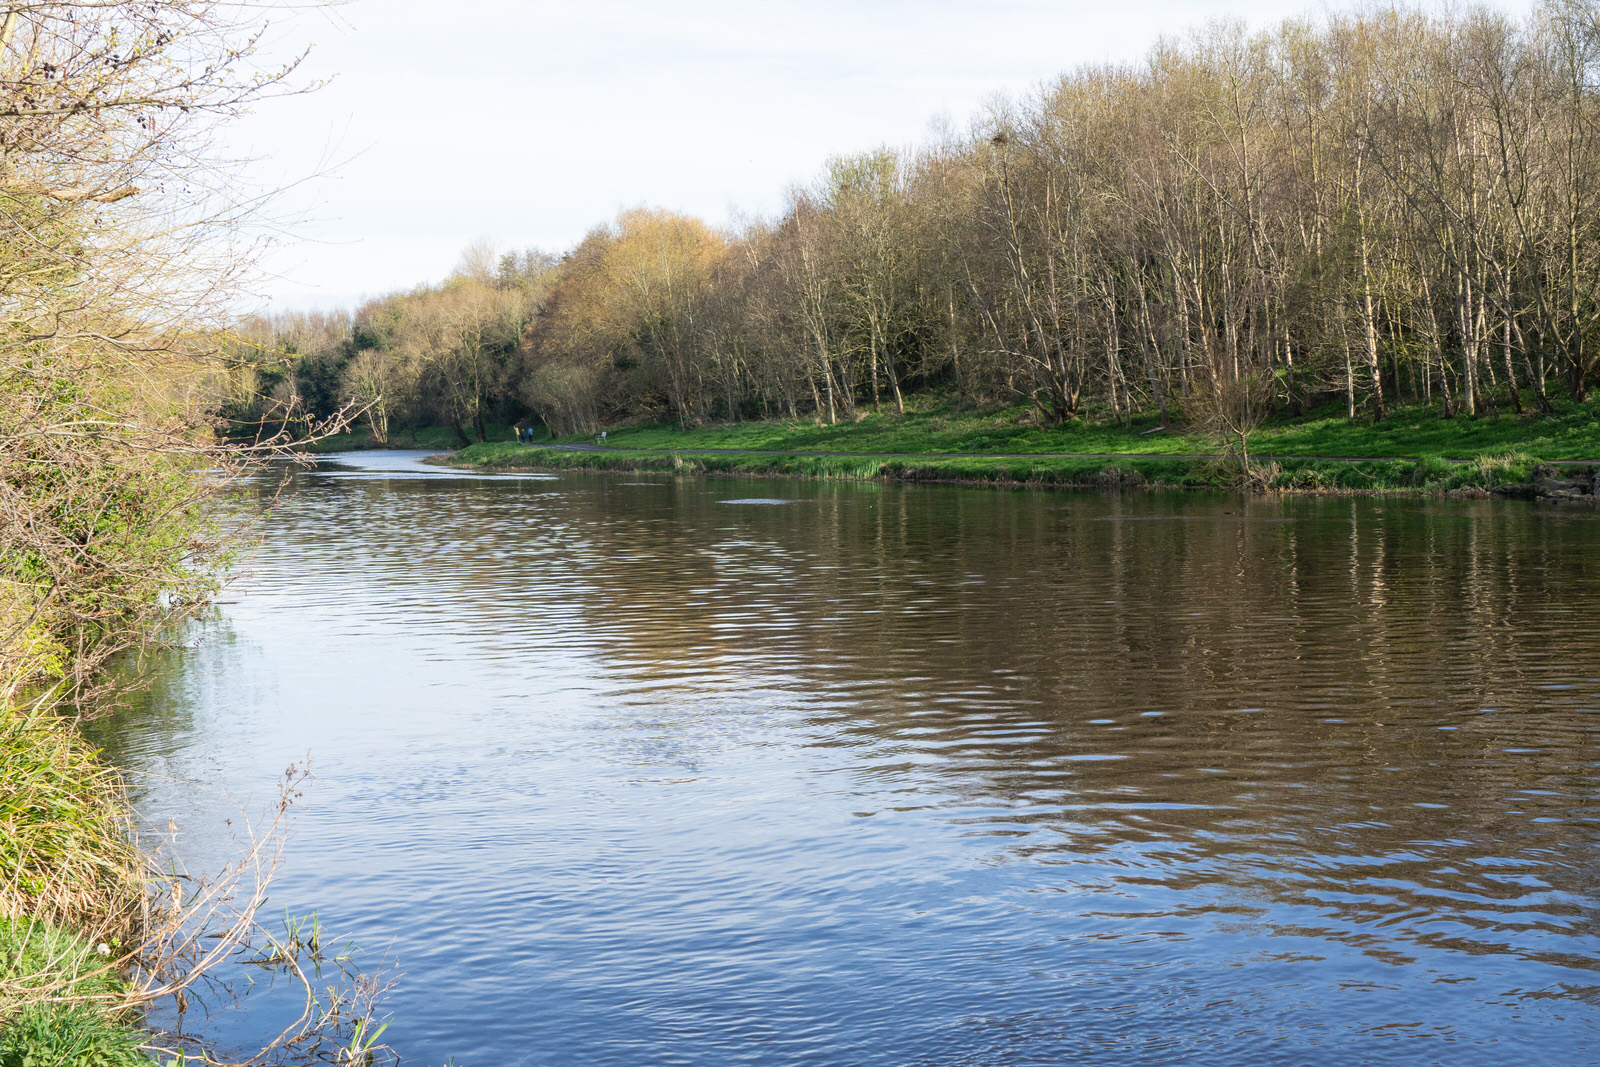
1465, 453
39, 961
1486, 472
1430, 470
58, 1035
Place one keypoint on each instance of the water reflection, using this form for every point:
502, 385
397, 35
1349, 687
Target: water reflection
657, 770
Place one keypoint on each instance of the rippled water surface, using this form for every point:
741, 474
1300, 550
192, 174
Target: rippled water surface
690, 771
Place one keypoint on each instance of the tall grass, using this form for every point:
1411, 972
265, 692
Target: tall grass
66, 854
92, 929
72, 898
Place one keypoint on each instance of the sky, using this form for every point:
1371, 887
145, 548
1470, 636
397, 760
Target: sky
527, 123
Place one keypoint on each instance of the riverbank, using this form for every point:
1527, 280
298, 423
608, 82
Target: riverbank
939, 423
100, 934
941, 439
1417, 449
72, 892
1504, 475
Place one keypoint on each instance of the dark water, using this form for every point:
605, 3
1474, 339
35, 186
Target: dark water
715, 772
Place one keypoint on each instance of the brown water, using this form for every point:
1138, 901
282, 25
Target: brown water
687, 771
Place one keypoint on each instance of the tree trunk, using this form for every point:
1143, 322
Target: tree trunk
1349, 381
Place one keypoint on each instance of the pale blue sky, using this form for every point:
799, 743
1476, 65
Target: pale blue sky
527, 123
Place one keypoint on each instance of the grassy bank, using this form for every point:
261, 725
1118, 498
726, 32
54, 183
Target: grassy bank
937, 423
71, 895
94, 930
1489, 474
1416, 449
58, 989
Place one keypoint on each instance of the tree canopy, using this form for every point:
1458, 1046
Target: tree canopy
1392, 205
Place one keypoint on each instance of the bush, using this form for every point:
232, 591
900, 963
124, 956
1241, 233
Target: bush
1431, 470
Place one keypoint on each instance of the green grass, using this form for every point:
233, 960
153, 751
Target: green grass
1057, 471
1572, 432
1415, 449
1428, 473
933, 424
930, 424
66, 861
1043, 471
58, 995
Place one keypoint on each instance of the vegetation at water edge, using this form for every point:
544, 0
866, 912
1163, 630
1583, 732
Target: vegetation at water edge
116, 280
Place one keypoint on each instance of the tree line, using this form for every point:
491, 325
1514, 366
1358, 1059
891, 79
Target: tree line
1389, 206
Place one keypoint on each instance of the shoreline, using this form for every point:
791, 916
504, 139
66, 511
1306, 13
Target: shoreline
1513, 477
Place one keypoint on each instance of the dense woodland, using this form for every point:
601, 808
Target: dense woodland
1386, 207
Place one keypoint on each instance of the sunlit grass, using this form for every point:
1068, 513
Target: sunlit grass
64, 849
57, 995
1416, 448
937, 424
66, 864
1430, 473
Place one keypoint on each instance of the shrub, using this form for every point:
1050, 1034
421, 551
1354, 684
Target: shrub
1431, 470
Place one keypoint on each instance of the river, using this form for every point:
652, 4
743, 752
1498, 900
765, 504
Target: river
620, 769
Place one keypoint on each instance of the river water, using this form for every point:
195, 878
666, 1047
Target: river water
629, 770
